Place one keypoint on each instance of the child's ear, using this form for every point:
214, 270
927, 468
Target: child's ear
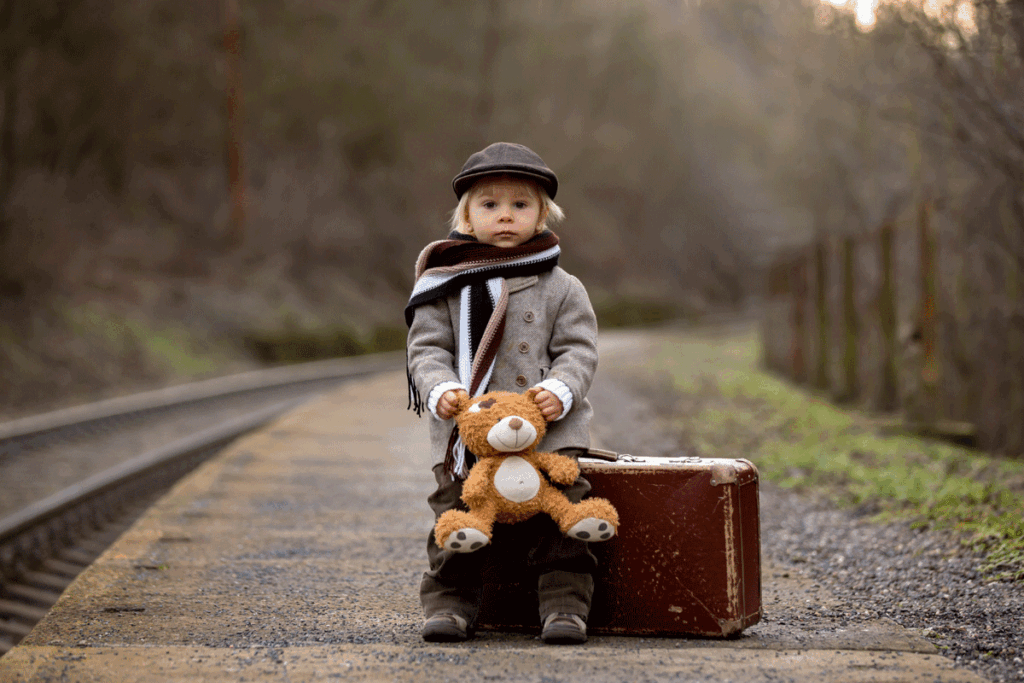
532, 392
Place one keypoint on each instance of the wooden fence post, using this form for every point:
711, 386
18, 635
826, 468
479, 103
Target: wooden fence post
821, 375
798, 287
929, 329
1014, 416
774, 357
888, 397
851, 325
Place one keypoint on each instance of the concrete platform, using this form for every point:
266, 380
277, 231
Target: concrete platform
295, 555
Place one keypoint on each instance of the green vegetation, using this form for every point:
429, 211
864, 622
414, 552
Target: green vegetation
301, 345
173, 349
729, 407
631, 312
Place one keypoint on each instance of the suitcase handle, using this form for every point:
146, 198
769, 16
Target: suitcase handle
602, 454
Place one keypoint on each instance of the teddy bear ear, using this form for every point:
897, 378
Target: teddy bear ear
531, 393
462, 400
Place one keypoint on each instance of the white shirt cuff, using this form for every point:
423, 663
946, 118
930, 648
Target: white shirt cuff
435, 395
562, 391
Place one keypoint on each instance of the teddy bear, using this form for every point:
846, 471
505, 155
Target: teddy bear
509, 482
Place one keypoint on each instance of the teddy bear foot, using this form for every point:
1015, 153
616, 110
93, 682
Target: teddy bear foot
466, 541
591, 530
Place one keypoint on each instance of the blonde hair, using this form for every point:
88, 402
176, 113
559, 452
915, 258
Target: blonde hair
551, 212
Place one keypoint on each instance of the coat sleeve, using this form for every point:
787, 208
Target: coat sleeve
573, 345
431, 347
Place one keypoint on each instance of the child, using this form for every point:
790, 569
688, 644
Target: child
491, 310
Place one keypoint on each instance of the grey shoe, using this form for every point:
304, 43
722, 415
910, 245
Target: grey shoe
445, 628
564, 629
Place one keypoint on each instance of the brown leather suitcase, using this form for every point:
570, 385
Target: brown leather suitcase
686, 561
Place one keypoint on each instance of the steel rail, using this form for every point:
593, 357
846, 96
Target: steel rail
256, 380
53, 506
38, 553
45, 545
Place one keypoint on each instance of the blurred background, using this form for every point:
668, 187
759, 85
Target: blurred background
190, 188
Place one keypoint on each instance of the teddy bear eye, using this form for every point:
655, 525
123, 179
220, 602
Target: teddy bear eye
475, 408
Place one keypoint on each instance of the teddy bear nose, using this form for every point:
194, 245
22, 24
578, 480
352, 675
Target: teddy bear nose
515, 423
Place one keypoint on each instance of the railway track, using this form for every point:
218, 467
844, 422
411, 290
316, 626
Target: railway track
72, 481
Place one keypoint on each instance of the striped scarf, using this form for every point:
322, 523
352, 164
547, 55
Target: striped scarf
477, 272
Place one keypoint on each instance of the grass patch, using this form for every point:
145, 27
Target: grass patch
303, 345
632, 312
171, 348
727, 407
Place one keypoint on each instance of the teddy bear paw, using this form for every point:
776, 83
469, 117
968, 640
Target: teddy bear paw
592, 529
466, 540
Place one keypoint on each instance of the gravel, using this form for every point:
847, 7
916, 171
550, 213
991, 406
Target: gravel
919, 579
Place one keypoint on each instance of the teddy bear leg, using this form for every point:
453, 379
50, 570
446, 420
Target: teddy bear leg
461, 532
591, 520
595, 520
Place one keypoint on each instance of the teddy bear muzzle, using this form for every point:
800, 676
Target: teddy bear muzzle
511, 434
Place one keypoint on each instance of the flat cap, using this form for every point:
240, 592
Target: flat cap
505, 157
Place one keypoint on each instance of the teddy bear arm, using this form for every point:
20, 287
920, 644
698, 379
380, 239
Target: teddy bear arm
476, 490
561, 468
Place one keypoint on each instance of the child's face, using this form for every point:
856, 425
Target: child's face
504, 212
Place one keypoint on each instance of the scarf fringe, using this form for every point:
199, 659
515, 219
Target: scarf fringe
455, 456
416, 402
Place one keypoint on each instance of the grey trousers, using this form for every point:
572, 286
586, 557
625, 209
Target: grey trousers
563, 566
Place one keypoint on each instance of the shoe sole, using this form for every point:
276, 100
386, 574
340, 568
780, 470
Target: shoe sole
564, 638
444, 636
444, 632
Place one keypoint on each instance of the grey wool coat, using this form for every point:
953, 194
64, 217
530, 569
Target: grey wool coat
550, 332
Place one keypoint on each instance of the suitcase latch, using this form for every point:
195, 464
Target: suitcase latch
691, 460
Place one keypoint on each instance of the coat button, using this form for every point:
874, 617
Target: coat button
521, 381
528, 316
524, 347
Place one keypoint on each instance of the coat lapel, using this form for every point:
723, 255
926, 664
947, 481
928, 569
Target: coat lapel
516, 284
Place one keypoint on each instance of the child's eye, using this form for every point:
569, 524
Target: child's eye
490, 205
521, 205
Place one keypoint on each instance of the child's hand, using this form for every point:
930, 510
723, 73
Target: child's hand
448, 403
549, 404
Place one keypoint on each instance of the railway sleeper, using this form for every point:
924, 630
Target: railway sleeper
15, 630
44, 580
94, 545
77, 556
55, 566
21, 610
24, 592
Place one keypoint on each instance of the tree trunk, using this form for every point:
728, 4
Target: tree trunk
234, 136
8, 150
488, 58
